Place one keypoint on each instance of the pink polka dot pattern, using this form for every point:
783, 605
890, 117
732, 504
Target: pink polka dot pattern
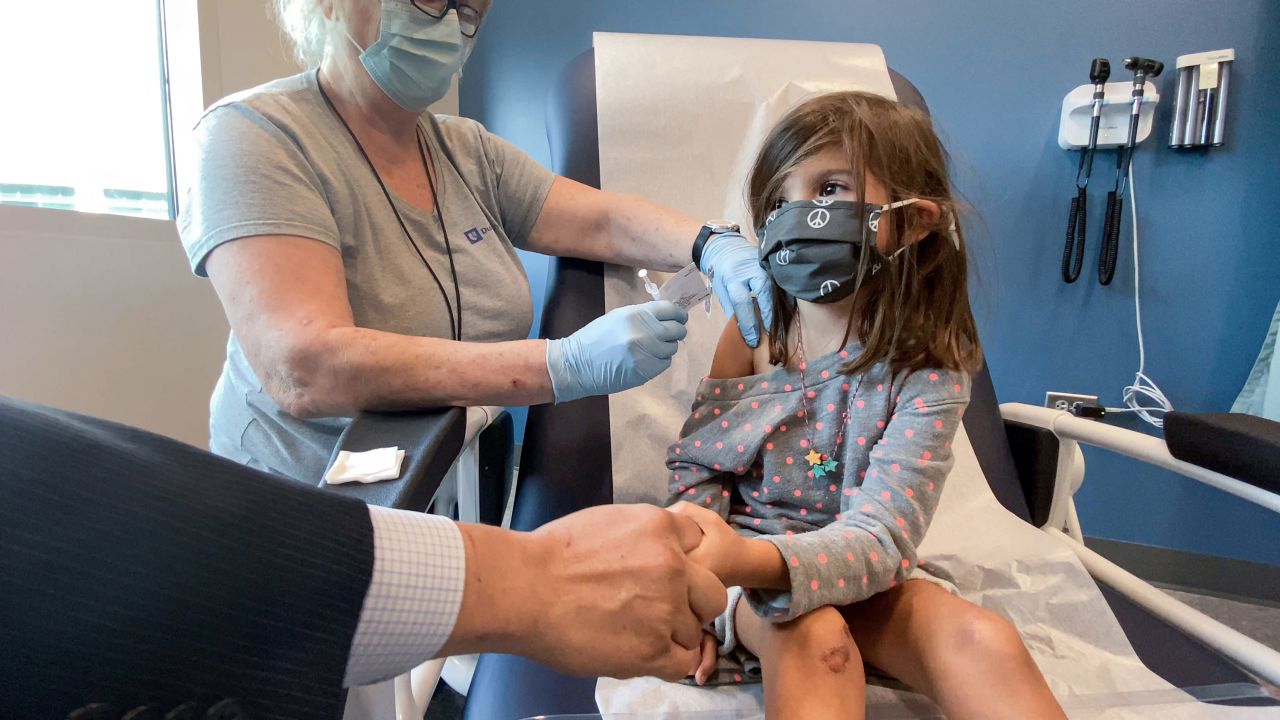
813, 585
933, 377
841, 582
795, 561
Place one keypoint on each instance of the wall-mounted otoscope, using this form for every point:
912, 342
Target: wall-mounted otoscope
1077, 217
1142, 69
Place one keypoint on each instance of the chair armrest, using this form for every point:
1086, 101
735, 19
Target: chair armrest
1152, 450
1035, 453
431, 440
1241, 446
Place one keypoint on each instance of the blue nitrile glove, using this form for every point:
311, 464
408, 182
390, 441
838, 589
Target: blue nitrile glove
733, 263
619, 350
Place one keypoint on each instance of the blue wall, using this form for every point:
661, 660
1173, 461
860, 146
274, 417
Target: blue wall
994, 78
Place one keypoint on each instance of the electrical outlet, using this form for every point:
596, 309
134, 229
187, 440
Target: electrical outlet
1066, 401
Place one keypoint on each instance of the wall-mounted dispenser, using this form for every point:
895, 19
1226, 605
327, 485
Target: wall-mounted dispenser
1200, 110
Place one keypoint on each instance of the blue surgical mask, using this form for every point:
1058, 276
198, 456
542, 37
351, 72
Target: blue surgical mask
416, 56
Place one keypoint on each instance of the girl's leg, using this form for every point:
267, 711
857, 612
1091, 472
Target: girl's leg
969, 660
812, 669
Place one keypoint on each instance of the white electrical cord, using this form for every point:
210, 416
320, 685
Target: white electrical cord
1142, 385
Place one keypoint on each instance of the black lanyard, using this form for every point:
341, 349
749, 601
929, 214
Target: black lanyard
455, 321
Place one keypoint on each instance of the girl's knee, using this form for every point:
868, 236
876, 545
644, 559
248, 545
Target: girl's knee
823, 638
982, 633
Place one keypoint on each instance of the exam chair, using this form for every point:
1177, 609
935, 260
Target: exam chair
1030, 457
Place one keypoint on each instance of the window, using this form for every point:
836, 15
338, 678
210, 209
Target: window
85, 124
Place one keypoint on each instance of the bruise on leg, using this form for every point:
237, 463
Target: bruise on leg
836, 658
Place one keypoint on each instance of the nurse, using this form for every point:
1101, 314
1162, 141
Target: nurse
364, 249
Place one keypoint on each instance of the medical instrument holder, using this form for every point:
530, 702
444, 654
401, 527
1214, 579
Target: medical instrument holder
1077, 116
1200, 107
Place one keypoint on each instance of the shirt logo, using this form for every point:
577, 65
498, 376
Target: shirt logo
476, 234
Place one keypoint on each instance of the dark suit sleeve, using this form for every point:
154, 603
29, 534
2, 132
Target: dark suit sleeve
135, 569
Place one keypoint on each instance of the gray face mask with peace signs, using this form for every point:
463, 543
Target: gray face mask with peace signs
816, 249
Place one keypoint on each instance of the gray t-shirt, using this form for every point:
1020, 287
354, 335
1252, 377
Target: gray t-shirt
276, 160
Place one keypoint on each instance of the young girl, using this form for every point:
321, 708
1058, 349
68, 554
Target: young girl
815, 462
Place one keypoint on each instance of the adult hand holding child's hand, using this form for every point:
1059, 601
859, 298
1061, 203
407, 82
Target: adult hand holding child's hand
735, 559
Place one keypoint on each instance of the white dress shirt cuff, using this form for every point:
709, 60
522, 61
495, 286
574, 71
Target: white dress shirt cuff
419, 571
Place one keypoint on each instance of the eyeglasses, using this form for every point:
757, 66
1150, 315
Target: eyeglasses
470, 12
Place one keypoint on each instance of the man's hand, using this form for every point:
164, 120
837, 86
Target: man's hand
606, 591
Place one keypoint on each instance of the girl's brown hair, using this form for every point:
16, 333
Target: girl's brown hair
914, 313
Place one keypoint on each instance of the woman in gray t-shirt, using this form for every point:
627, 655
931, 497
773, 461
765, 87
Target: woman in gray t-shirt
364, 251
